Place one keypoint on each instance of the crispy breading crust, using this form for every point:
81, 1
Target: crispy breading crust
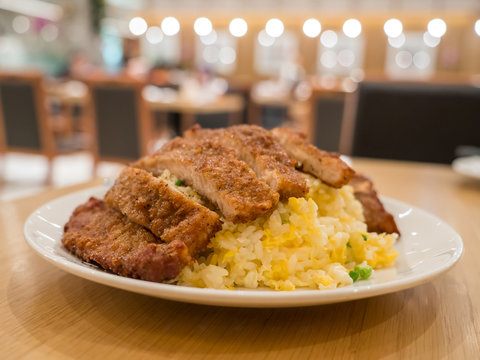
215, 172
166, 212
259, 150
328, 167
377, 218
99, 234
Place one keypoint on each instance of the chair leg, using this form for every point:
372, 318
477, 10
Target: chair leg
49, 177
95, 167
2, 169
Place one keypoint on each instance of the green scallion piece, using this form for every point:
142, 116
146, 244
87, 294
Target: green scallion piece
364, 237
348, 244
354, 275
179, 183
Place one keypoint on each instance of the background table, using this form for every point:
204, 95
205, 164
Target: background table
47, 313
230, 104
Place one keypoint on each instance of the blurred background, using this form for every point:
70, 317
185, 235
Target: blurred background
87, 85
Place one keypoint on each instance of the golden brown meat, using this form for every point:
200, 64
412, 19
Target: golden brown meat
377, 218
99, 234
215, 172
169, 214
328, 167
259, 150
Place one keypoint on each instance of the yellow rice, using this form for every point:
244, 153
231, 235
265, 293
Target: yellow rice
302, 244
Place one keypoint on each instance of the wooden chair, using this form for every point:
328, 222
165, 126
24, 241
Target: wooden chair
119, 120
411, 121
24, 125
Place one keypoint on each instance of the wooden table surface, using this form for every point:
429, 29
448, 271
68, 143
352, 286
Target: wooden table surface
48, 313
228, 103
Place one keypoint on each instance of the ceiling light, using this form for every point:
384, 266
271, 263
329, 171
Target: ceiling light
202, 26
437, 28
137, 26
238, 27
352, 28
170, 26
274, 27
393, 28
312, 28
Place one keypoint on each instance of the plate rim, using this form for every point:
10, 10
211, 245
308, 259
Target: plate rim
263, 298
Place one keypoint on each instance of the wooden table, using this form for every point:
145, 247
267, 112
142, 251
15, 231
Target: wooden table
47, 313
230, 104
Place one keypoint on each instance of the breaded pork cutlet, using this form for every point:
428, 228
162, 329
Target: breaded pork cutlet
328, 167
165, 211
100, 234
377, 218
259, 150
215, 173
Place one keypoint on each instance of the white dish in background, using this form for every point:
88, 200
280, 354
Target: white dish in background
427, 248
468, 166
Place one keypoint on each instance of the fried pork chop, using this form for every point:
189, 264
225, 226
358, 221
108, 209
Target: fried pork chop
100, 234
328, 167
215, 173
377, 218
259, 150
165, 211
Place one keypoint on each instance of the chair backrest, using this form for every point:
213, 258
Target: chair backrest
413, 122
213, 121
327, 115
121, 124
23, 114
273, 116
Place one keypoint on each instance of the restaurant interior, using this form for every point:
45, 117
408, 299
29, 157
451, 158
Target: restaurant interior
242, 242
88, 85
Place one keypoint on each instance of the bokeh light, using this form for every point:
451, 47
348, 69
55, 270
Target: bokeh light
202, 26
209, 39
274, 28
21, 24
264, 39
170, 26
137, 26
312, 28
49, 32
397, 42
238, 27
393, 28
477, 27
403, 59
437, 28
352, 28
227, 55
429, 40
154, 35
329, 39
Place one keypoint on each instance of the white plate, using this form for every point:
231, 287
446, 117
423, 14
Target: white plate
428, 247
468, 166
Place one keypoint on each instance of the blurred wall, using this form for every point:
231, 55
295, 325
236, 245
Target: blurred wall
458, 52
